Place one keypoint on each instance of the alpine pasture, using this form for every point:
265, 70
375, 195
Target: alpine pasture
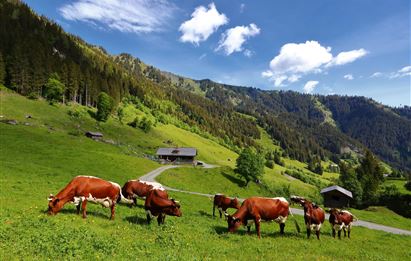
42, 156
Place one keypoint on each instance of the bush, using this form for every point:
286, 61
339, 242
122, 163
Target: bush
54, 89
76, 112
408, 185
250, 165
105, 105
269, 164
145, 124
33, 96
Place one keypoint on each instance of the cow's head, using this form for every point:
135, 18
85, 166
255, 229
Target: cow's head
55, 204
174, 209
235, 204
334, 212
233, 223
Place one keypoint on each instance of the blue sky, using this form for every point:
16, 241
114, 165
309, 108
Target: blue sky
350, 47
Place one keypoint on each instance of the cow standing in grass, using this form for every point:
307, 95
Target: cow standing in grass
134, 189
257, 209
313, 215
83, 189
158, 204
341, 220
223, 203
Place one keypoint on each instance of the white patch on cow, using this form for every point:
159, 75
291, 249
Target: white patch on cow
338, 227
105, 202
250, 222
280, 219
345, 211
155, 185
91, 177
77, 200
281, 199
315, 227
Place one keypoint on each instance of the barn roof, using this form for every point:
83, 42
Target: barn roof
94, 134
338, 188
177, 152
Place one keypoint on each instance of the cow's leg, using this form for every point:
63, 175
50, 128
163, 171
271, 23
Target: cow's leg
257, 226
317, 232
282, 226
349, 230
334, 232
84, 208
164, 218
134, 201
345, 232
339, 234
220, 210
113, 211
308, 232
148, 217
159, 219
78, 208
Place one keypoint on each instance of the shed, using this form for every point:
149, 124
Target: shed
177, 155
336, 197
94, 135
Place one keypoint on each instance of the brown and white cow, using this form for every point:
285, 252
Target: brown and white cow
223, 203
158, 204
83, 189
134, 189
341, 220
257, 209
313, 215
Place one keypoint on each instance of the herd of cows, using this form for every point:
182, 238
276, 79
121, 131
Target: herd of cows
83, 189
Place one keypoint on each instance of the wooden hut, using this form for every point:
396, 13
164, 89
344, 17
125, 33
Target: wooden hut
336, 197
177, 155
94, 135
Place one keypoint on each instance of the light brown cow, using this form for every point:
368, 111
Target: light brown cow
83, 189
257, 209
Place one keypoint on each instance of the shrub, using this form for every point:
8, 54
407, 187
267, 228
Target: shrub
269, 164
54, 89
408, 185
250, 165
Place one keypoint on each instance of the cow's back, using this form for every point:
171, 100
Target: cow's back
267, 208
84, 186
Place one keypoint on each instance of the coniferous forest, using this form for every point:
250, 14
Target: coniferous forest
33, 49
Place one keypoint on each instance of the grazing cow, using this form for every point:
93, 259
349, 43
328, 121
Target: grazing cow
137, 188
158, 204
82, 189
222, 202
257, 209
313, 215
341, 219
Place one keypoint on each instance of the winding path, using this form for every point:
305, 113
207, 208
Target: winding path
151, 176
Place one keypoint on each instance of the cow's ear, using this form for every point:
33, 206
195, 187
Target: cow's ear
56, 201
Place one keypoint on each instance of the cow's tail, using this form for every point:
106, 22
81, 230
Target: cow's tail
295, 221
354, 218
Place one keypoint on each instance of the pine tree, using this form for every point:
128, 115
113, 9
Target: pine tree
2, 70
370, 175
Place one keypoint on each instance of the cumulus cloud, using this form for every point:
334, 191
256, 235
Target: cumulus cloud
233, 39
248, 53
310, 86
132, 16
204, 22
347, 57
349, 77
296, 60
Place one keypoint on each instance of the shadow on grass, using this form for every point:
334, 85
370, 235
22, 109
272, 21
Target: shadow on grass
136, 220
131, 206
67, 211
205, 214
233, 179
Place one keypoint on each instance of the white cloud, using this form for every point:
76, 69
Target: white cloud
310, 86
296, 60
347, 57
202, 56
349, 77
233, 39
405, 69
133, 16
248, 53
204, 22
376, 74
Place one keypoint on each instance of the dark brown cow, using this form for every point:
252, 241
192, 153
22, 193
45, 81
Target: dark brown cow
222, 203
137, 188
158, 204
257, 209
341, 219
313, 215
83, 189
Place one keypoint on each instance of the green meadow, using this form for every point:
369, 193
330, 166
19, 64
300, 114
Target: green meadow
42, 157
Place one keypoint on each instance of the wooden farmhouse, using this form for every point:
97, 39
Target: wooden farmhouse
177, 155
336, 197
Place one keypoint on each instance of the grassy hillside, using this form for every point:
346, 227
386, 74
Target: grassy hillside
43, 157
